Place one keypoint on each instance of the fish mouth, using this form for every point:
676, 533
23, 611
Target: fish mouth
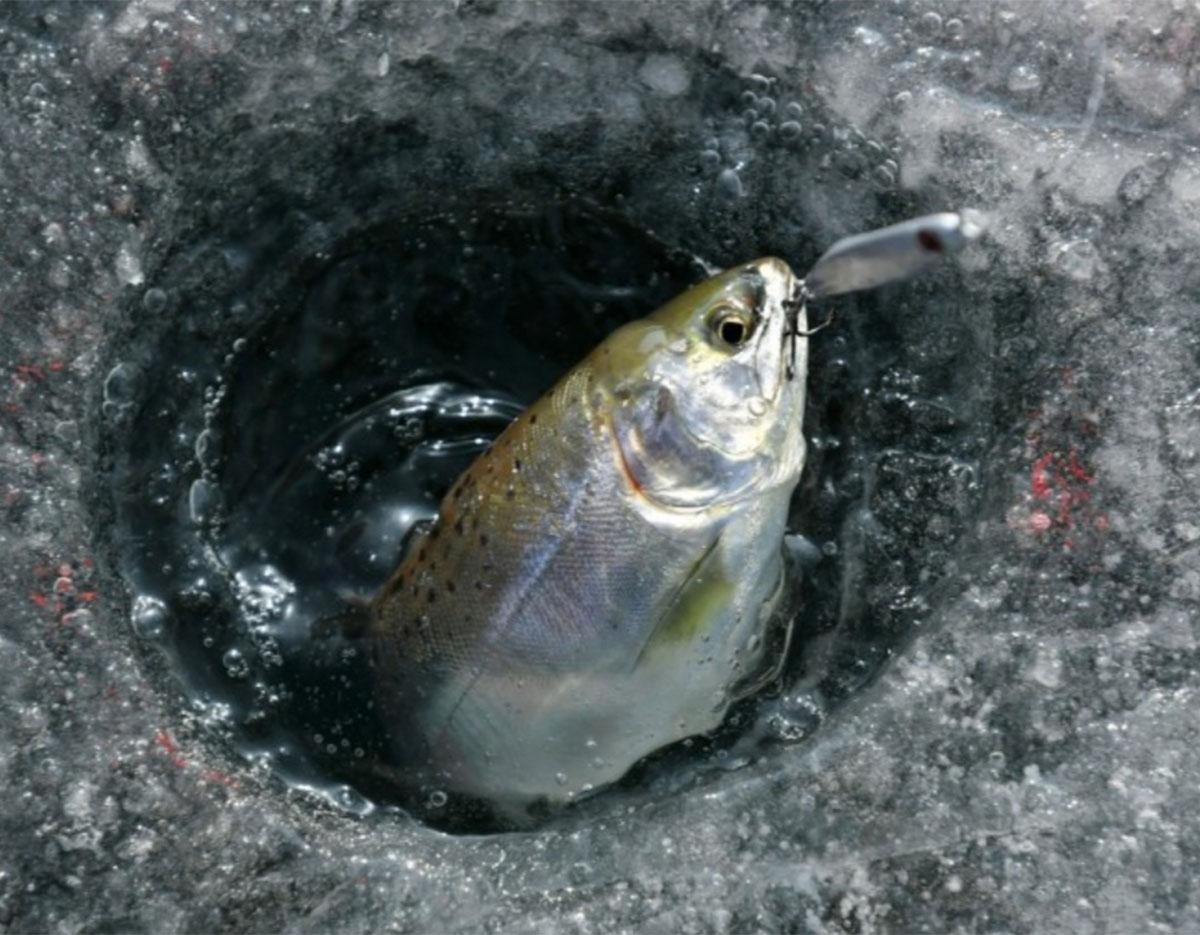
793, 306
780, 299
781, 292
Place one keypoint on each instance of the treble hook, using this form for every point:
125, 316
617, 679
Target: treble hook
797, 306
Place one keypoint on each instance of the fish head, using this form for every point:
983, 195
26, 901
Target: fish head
707, 393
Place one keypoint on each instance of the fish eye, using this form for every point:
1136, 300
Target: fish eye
731, 327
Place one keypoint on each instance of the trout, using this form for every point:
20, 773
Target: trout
606, 578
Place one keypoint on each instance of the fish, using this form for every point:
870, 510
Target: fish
607, 578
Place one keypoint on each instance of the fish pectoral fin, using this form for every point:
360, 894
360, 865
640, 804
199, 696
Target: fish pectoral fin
704, 595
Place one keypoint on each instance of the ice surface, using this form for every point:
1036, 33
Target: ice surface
1028, 759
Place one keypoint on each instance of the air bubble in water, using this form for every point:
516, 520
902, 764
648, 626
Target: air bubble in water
1024, 80
154, 301
148, 617
353, 801
120, 384
236, 666
202, 501
729, 184
884, 176
206, 448
1078, 260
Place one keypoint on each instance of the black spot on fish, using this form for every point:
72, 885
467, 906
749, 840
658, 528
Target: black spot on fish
533, 418
517, 464
451, 587
458, 526
929, 241
421, 556
433, 534
509, 494
432, 595
483, 538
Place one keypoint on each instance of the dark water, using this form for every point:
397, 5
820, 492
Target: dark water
277, 444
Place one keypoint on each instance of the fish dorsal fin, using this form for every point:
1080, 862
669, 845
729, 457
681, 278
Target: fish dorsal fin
704, 594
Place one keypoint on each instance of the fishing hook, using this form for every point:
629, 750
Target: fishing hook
797, 305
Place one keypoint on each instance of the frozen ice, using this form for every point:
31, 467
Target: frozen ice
665, 75
1020, 591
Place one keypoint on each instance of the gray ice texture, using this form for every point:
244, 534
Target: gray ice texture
1027, 760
